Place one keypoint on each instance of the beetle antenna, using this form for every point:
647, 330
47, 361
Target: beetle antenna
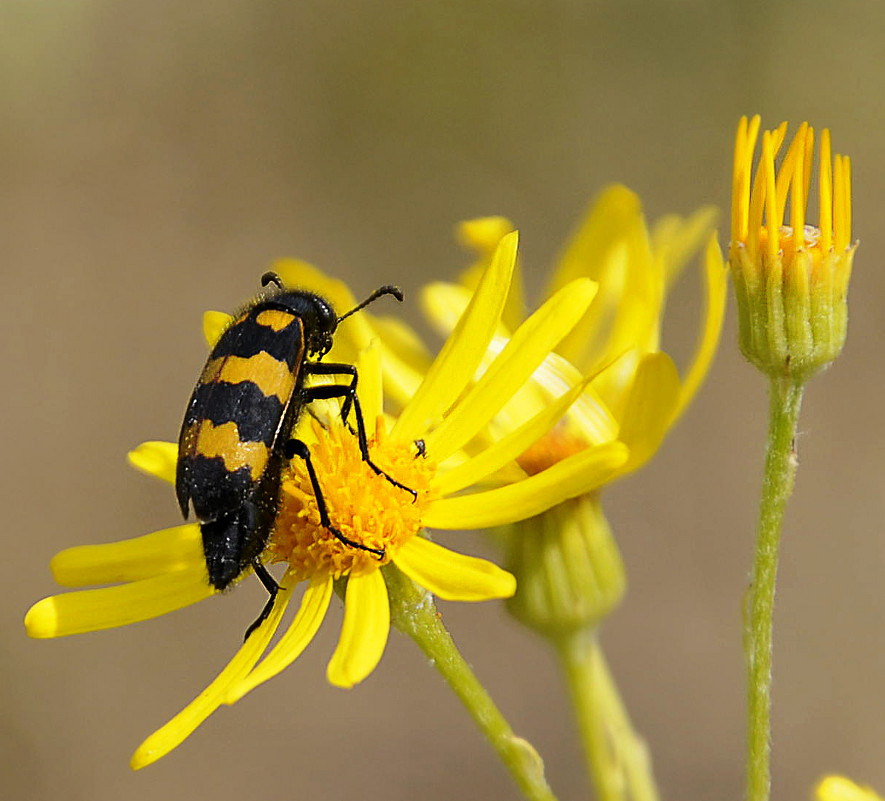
389, 289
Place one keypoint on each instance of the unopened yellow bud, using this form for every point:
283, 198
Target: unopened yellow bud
790, 279
568, 568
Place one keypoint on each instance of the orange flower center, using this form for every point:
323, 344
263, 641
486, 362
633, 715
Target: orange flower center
550, 449
364, 507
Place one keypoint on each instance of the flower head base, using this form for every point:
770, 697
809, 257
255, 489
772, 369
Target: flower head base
791, 280
363, 506
571, 575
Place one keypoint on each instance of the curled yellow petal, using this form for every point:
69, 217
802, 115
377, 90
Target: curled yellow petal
715, 275
613, 212
109, 607
301, 631
177, 730
364, 631
650, 407
166, 551
156, 458
612, 247
676, 239
568, 478
453, 576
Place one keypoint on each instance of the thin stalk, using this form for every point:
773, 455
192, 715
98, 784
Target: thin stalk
617, 758
413, 613
780, 471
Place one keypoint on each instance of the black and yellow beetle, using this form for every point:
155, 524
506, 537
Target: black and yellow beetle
236, 434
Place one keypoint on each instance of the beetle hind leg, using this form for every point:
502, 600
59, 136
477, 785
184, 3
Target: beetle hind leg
272, 588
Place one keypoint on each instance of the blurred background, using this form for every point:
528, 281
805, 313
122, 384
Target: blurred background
155, 157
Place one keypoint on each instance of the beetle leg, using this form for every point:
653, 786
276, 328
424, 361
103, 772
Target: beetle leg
295, 447
272, 588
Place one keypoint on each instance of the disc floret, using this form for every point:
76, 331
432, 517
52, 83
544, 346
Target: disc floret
363, 506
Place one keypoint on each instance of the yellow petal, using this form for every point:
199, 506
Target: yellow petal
403, 342
364, 632
165, 551
612, 247
675, 239
301, 631
156, 458
569, 478
109, 607
838, 788
443, 304
214, 325
507, 448
404, 361
716, 275
369, 388
463, 351
589, 415
482, 235
177, 730
453, 576
614, 211
526, 350
613, 383
650, 406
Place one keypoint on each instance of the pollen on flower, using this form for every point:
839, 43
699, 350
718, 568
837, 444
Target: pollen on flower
550, 449
364, 506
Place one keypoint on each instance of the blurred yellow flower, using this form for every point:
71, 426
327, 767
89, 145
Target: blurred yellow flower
164, 571
635, 393
838, 788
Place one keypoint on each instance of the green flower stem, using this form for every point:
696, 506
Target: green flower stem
617, 758
777, 485
413, 612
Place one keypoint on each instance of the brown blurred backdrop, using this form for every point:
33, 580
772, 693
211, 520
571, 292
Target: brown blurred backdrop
156, 156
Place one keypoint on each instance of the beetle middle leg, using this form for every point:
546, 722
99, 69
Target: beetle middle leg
295, 447
348, 392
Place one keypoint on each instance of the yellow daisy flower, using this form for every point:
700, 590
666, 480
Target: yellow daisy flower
636, 392
163, 571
